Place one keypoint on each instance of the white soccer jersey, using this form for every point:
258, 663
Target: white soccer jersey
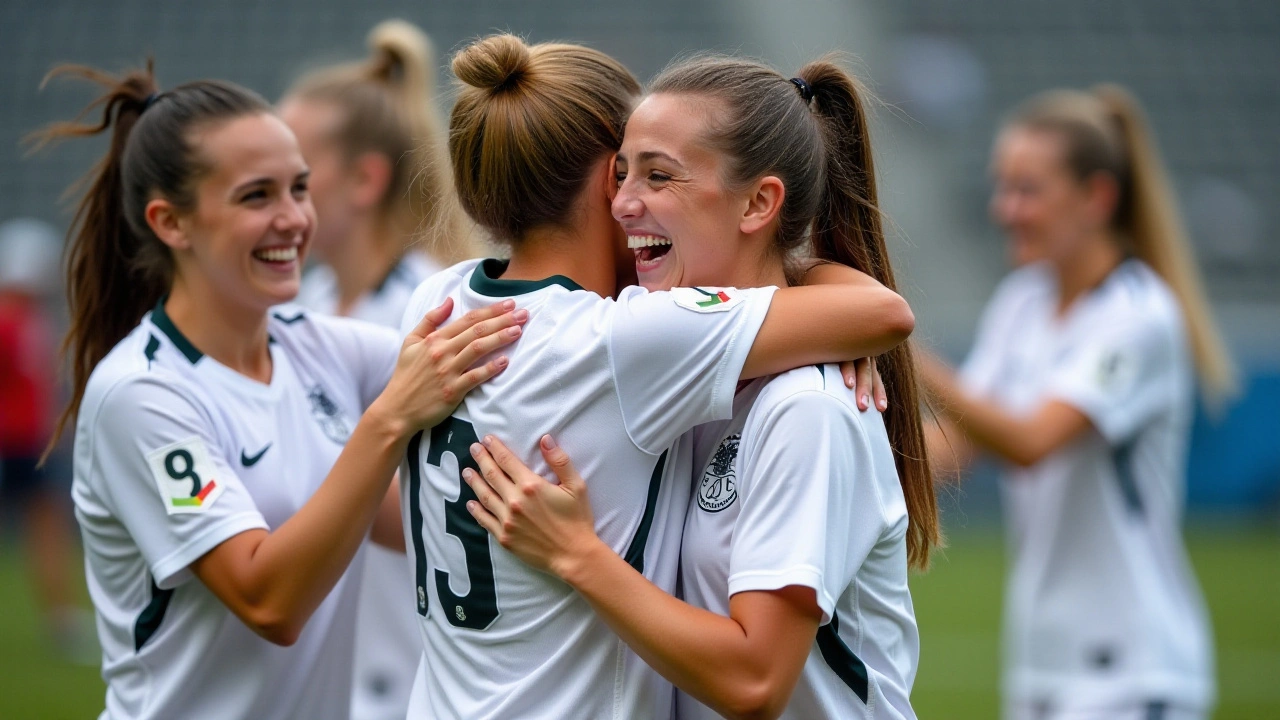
176, 453
800, 488
1102, 609
387, 644
616, 383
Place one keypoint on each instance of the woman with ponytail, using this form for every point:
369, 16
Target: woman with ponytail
806, 512
231, 453
1082, 379
380, 183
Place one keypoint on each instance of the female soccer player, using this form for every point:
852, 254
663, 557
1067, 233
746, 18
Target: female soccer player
532, 138
380, 182
229, 458
795, 556
1081, 379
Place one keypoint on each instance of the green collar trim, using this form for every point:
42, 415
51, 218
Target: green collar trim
486, 281
161, 320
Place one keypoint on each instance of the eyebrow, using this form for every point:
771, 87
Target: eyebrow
652, 155
267, 180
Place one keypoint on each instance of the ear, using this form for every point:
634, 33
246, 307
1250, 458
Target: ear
610, 180
764, 202
372, 175
167, 223
1102, 197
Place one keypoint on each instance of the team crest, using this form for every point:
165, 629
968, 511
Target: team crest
329, 415
719, 486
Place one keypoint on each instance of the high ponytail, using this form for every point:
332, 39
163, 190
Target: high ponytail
116, 267
386, 104
1105, 131
811, 132
849, 229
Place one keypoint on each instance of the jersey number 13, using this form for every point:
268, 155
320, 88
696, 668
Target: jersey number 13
479, 607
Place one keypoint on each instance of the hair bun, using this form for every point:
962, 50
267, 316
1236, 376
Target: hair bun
492, 63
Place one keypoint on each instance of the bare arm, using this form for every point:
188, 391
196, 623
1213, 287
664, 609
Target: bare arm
843, 315
744, 666
274, 581
1020, 439
388, 530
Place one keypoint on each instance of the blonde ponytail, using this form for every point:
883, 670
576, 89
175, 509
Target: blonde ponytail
387, 106
1153, 225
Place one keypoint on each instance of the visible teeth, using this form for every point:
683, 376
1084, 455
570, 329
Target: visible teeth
277, 254
639, 241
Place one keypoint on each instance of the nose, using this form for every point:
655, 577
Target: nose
1004, 206
295, 215
626, 205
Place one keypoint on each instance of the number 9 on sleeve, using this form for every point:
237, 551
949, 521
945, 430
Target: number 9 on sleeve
184, 475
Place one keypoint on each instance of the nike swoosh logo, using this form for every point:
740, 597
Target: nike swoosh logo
250, 461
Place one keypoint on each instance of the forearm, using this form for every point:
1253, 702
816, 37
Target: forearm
707, 655
828, 322
950, 452
990, 427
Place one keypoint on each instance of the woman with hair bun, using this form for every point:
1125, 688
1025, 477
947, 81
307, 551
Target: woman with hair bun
388, 219
616, 375
231, 453
1082, 379
807, 514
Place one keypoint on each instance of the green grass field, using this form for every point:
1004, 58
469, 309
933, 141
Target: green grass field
957, 605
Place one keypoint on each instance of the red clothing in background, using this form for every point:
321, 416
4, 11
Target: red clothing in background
28, 367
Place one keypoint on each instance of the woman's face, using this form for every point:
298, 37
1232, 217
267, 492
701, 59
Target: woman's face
248, 235
1045, 210
680, 220
315, 124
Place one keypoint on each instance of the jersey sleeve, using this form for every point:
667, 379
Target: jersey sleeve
369, 352
677, 357
802, 501
1122, 376
158, 460
984, 366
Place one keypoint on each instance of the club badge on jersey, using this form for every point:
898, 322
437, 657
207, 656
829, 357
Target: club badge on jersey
331, 418
706, 300
719, 486
184, 474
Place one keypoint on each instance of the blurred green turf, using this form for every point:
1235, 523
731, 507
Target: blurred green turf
957, 605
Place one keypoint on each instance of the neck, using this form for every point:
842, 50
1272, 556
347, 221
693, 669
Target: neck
757, 264
233, 334
1086, 269
362, 261
584, 255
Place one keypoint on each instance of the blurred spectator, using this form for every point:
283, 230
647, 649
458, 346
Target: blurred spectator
29, 251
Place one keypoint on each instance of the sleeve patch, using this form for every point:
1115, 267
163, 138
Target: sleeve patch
706, 300
185, 477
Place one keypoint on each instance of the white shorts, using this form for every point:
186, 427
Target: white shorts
1155, 710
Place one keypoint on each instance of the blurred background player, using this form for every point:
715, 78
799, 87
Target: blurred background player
1082, 378
387, 218
36, 495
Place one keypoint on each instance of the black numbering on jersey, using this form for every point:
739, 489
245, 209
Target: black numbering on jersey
188, 471
479, 607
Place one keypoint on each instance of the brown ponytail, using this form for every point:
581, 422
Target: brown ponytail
1106, 131
116, 268
813, 136
386, 107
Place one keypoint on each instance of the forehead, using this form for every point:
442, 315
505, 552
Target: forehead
254, 145
1030, 147
675, 124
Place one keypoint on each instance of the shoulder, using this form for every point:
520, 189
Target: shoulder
121, 389
434, 288
1029, 282
804, 395
300, 330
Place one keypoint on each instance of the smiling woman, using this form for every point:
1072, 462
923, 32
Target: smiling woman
217, 519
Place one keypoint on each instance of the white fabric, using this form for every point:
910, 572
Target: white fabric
616, 383
387, 644
266, 448
1102, 609
800, 488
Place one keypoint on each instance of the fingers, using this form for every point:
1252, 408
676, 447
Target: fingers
433, 319
483, 338
505, 459
865, 368
848, 371
486, 519
878, 391
473, 317
561, 465
473, 377
494, 476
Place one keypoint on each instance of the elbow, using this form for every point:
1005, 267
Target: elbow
1025, 456
276, 628
759, 701
902, 321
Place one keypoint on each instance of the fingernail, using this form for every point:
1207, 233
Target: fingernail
501, 362
475, 449
882, 403
471, 506
508, 304
848, 381
513, 331
488, 440
520, 315
548, 442
866, 401
467, 473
